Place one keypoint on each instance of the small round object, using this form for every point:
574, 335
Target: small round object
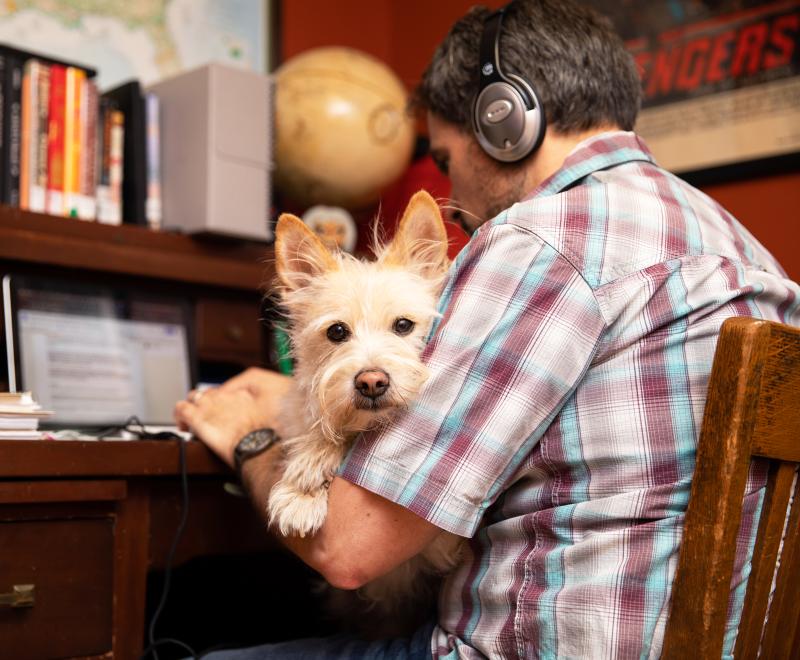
235, 333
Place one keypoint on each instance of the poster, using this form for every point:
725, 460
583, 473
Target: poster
721, 78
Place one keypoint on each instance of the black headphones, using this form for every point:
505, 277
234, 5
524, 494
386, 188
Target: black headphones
507, 115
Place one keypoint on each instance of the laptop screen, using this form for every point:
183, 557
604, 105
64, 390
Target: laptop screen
97, 356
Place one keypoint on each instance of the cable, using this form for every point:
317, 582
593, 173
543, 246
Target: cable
168, 640
153, 642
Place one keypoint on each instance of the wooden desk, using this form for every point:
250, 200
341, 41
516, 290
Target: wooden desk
85, 521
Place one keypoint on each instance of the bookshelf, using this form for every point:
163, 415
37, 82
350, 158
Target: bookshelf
224, 279
36, 238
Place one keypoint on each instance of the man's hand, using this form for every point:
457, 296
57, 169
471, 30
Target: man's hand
222, 415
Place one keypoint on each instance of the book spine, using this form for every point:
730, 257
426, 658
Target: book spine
103, 158
111, 198
153, 200
103, 130
14, 113
55, 140
3, 121
38, 188
28, 102
103, 145
72, 141
86, 207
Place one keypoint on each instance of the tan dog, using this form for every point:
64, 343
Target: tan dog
357, 331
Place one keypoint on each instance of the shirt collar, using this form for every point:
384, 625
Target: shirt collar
598, 152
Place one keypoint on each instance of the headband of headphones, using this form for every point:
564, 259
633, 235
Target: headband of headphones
508, 120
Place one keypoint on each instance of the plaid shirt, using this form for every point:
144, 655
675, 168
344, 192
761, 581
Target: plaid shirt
558, 429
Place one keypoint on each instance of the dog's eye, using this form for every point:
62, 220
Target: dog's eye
403, 326
338, 333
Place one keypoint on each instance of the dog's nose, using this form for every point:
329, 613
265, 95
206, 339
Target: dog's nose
372, 382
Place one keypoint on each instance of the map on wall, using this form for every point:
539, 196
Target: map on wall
144, 39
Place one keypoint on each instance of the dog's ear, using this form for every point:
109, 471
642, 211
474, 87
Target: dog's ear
421, 239
299, 254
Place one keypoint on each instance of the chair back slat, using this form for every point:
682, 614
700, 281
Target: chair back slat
701, 587
752, 409
780, 634
777, 432
765, 554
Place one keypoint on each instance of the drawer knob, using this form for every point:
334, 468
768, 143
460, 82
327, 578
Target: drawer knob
22, 595
234, 333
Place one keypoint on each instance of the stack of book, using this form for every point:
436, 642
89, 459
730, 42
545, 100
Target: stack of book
20, 416
66, 150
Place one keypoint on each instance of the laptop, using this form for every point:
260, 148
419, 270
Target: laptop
97, 355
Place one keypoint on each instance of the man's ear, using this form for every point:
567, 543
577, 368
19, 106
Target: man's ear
299, 254
421, 239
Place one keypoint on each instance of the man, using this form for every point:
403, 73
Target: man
557, 431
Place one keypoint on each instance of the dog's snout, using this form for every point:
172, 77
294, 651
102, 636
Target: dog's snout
372, 382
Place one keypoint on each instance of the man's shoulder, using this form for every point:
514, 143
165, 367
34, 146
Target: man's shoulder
621, 220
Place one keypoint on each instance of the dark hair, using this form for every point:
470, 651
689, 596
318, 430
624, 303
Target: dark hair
570, 54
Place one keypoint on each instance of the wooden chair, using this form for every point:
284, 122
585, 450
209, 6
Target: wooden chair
753, 409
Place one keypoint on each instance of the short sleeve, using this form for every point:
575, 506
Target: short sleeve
519, 328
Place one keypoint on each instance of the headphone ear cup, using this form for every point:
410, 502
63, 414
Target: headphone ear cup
507, 119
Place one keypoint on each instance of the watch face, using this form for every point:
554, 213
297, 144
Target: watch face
250, 442
256, 440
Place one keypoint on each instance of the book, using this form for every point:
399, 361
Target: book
129, 100
25, 132
33, 157
72, 140
19, 423
55, 140
12, 118
20, 435
110, 163
20, 415
3, 120
16, 398
87, 189
153, 201
38, 184
117, 163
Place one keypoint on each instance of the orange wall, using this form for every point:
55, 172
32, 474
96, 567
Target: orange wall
769, 207
404, 34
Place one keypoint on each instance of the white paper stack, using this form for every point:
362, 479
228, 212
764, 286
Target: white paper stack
19, 416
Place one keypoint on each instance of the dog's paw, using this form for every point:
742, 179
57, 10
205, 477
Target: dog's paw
295, 513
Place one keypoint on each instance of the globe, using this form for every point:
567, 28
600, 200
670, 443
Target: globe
342, 130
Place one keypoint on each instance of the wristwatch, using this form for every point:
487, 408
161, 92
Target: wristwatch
253, 444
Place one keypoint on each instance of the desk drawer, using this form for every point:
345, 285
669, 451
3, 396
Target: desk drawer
70, 563
228, 327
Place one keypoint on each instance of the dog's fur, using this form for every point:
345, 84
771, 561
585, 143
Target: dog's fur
325, 410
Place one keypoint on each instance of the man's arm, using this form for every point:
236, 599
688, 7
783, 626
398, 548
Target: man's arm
364, 535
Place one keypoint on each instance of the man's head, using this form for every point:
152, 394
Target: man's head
577, 64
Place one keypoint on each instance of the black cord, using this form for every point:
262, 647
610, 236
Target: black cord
153, 642
168, 640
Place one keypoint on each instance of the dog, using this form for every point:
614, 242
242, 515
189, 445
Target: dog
357, 329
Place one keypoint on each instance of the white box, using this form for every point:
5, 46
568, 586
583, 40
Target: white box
216, 151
